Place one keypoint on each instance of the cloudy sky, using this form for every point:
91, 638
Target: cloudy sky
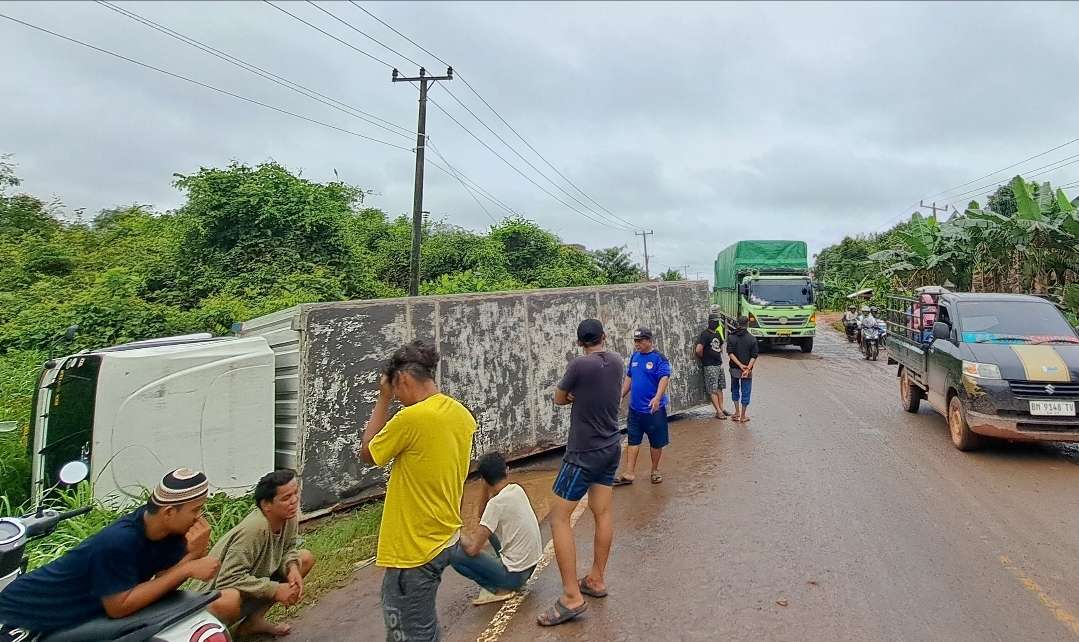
706, 123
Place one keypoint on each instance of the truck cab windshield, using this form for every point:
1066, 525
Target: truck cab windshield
1013, 322
781, 292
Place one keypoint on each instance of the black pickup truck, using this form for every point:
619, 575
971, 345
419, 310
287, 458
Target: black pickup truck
995, 365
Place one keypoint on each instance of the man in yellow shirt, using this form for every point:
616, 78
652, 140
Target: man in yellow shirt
429, 442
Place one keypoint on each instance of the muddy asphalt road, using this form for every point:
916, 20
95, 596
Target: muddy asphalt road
833, 515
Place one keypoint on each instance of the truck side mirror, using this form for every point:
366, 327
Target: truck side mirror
942, 330
743, 289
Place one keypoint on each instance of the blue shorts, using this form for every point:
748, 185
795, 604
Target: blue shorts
639, 424
741, 389
574, 480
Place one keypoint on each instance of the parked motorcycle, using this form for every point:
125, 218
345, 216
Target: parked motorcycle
871, 337
178, 617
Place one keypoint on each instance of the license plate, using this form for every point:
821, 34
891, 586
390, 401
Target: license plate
783, 333
1053, 408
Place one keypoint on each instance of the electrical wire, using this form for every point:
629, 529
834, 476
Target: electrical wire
365, 35
272, 77
509, 210
454, 175
1030, 174
202, 84
493, 111
330, 35
1004, 169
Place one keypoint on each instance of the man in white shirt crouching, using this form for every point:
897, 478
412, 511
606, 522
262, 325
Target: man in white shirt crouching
511, 527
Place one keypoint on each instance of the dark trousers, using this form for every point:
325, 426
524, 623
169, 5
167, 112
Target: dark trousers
488, 570
408, 600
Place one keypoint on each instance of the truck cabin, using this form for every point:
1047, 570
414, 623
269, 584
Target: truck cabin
1002, 319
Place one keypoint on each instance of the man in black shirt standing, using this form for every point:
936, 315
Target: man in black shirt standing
710, 352
742, 350
593, 385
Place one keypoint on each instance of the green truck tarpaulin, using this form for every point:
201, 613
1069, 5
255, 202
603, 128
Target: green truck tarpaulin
766, 256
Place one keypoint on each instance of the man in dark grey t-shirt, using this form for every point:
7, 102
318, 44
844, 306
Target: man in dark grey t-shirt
593, 386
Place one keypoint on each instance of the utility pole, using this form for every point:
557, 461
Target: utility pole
417, 198
644, 237
943, 208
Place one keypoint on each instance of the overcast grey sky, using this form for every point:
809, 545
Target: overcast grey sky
707, 123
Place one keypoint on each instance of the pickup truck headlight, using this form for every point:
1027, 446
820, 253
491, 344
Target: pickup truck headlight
981, 370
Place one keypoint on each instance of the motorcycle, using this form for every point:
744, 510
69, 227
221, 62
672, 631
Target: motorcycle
178, 617
851, 327
871, 337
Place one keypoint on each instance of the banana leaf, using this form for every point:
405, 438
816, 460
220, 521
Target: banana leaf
1024, 202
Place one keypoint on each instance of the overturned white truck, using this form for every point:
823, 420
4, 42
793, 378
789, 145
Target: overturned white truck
294, 388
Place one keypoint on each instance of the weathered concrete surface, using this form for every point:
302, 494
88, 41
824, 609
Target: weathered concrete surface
832, 516
503, 354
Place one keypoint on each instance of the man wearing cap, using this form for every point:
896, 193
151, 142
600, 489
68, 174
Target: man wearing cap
591, 386
646, 382
127, 566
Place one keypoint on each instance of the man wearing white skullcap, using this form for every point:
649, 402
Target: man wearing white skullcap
127, 566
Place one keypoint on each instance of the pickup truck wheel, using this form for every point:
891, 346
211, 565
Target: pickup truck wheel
807, 345
909, 394
962, 437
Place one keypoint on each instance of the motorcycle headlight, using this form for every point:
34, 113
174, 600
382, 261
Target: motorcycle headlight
981, 370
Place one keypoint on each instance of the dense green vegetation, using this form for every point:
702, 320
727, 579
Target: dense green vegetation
247, 241
1025, 239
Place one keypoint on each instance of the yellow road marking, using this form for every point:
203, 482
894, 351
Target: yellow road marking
501, 621
1056, 608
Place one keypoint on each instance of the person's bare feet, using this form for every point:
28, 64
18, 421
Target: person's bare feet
261, 626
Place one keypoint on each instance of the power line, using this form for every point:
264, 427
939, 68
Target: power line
365, 35
472, 183
1030, 174
526, 176
272, 77
1003, 169
202, 84
454, 175
519, 155
330, 35
493, 111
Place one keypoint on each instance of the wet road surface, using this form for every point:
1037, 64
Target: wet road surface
833, 515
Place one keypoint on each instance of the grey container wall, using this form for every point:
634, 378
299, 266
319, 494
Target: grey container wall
502, 354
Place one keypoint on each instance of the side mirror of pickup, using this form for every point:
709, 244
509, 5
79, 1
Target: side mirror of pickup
942, 330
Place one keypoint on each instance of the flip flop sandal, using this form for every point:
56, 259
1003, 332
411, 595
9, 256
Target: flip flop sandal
721, 417
587, 589
559, 614
622, 481
657, 478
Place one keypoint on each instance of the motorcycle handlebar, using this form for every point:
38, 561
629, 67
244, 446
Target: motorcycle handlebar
37, 526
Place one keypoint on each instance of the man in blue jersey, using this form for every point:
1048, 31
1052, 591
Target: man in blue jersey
646, 381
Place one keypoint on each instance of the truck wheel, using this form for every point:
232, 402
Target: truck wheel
910, 395
807, 345
962, 437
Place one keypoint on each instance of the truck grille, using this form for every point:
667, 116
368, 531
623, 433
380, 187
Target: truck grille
781, 322
1044, 390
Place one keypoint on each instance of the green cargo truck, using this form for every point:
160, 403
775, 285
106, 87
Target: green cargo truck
768, 281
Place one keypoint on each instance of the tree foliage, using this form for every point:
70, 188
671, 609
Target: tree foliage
247, 241
1025, 239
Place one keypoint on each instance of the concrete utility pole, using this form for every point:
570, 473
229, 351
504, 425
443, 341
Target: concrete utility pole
942, 208
644, 237
417, 199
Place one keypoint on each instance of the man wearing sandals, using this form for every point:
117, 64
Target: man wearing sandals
646, 384
592, 384
710, 351
742, 350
